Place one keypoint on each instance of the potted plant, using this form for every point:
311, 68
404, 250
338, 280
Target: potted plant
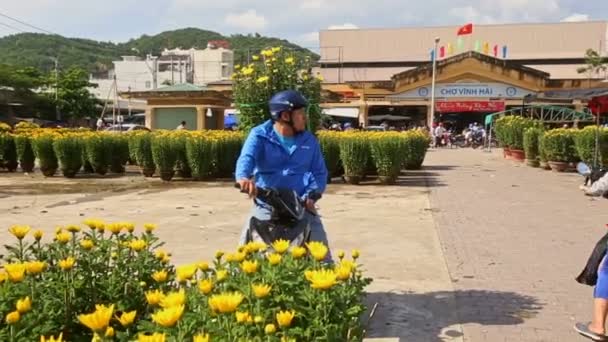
228, 149
119, 152
68, 149
386, 151
559, 148
330, 147
43, 149
25, 152
8, 152
584, 142
182, 166
414, 148
514, 133
201, 154
99, 151
531, 148
165, 154
501, 134
354, 153
140, 146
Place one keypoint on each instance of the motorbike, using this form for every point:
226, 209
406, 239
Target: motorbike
287, 221
591, 174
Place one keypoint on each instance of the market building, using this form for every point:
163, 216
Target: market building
386, 74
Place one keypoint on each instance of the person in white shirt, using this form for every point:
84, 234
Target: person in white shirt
100, 124
181, 126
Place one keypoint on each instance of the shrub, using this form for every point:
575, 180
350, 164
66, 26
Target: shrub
140, 146
531, 141
99, 151
228, 149
558, 145
275, 70
42, 144
542, 152
354, 153
585, 145
68, 149
387, 152
25, 126
25, 152
4, 128
330, 147
165, 152
182, 165
202, 155
119, 152
241, 297
414, 149
8, 152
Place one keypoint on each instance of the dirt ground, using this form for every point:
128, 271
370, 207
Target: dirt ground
392, 226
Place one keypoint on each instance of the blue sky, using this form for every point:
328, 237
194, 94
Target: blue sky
296, 20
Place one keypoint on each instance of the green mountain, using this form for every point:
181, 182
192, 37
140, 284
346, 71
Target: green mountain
36, 50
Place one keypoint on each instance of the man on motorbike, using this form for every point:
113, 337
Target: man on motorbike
281, 153
598, 188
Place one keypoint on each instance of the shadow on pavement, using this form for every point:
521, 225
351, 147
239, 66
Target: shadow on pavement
435, 316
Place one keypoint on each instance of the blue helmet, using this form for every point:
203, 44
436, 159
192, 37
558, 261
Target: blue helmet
286, 100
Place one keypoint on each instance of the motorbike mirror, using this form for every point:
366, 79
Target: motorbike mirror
583, 169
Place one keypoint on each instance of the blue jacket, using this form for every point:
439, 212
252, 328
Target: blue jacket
273, 166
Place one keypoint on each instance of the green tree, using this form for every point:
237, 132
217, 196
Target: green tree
595, 63
74, 99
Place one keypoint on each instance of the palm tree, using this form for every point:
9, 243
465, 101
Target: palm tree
594, 64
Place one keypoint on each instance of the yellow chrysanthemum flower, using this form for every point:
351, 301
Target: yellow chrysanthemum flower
258, 319
115, 228
342, 272
201, 338
150, 227
156, 337
243, 317
109, 332
19, 231
72, 228
87, 244
355, 253
225, 302
317, 249
255, 57
67, 263
253, 247
321, 279
24, 305
160, 276
340, 254
247, 71
169, 316
63, 237
261, 290
289, 60
280, 246
15, 272
52, 338
13, 317
205, 286
185, 272
160, 254
263, 79
284, 318
249, 267
202, 266
138, 245
38, 235
298, 252
274, 258
221, 275
127, 318
219, 254
173, 299
270, 329
99, 320
3, 276
154, 297
35, 267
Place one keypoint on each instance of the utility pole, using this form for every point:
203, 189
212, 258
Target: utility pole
153, 69
172, 76
57, 112
433, 80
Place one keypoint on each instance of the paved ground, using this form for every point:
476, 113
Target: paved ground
472, 248
514, 238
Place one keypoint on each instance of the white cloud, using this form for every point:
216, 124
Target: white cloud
575, 17
345, 26
310, 38
248, 20
312, 4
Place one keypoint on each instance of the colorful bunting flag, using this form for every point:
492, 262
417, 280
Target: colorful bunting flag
496, 51
486, 48
460, 44
477, 45
450, 49
442, 52
504, 52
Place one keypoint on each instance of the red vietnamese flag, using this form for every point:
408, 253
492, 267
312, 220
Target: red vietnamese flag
466, 29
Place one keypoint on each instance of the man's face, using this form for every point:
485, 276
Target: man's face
298, 118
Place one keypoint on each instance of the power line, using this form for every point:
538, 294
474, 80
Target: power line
11, 27
26, 24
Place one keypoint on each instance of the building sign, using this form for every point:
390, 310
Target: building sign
469, 106
463, 90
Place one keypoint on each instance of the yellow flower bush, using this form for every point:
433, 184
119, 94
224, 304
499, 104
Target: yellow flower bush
122, 287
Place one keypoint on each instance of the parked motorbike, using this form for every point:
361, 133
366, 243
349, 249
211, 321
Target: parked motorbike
591, 174
288, 220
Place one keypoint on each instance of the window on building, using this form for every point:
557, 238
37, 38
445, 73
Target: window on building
148, 84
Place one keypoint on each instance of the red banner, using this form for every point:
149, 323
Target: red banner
469, 106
